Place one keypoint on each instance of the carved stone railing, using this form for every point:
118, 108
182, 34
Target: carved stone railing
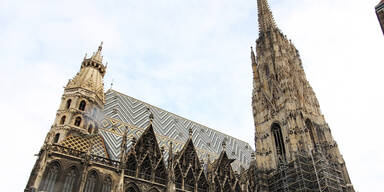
105, 161
68, 151
80, 154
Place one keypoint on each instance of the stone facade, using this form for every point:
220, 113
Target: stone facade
103, 142
380, 14
289, 125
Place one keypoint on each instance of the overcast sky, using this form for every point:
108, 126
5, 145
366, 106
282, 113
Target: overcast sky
192, 58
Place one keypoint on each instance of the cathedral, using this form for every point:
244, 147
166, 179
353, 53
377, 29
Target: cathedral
106, 141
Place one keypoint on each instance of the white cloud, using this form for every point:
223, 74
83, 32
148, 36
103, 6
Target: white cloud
191, 58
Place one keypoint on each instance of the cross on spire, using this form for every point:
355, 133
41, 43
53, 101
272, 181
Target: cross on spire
266, 20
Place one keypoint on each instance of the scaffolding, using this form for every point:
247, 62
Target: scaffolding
309, 172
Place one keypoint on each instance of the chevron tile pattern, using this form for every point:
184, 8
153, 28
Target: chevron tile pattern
123, 112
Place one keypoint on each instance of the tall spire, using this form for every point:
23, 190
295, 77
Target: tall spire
97, 56
266, 21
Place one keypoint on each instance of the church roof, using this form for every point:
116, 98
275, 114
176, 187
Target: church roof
380, 5
125, 113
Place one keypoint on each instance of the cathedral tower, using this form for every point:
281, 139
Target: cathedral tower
287, 116
79, 113
82, 101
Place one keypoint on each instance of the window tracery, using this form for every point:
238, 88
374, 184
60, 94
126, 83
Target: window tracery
91, 183
132, 188
131, 165
107, 185
161, 174
71, 179
189, 181
178, 177
279, 141
309, 126
146, 169
202, 184
50, 179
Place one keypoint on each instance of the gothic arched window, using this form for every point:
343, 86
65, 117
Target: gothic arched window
178, 177
146, 169
92, 181
78, 121
68, 105
56, 139
202, 184
62, 120
132, 188
107, 185
82, 105
154, 190
279, 141
71, 179
50, 178
309, 126
131, 165
160, 174
189, 181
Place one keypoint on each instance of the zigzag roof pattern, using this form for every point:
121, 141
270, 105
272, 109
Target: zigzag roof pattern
125, 113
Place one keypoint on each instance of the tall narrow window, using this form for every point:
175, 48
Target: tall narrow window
71, 180
82, 105
131, 165
78, 121
62, 120
50, 178
90, 128
309, 126
107, 185
146, 169
69, 101
57, 136
279, 141
90, 185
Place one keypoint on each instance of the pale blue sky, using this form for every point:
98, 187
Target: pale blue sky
191, 58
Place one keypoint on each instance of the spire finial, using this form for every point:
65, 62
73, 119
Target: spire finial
266, 21
97, 56
100, 46
150, 115
190, 132
224, 143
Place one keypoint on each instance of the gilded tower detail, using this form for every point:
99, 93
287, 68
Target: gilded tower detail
287, 116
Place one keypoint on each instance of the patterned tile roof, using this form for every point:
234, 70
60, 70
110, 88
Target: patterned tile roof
122, 111
82, 144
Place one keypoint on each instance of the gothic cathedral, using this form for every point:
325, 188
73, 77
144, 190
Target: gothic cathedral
110, 142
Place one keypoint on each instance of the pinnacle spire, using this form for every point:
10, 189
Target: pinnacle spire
266, 20
97, 56
253, 57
